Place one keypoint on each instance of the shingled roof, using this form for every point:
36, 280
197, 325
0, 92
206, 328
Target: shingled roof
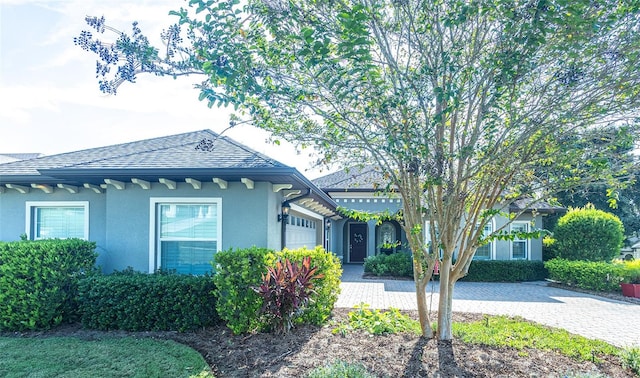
365, 178
200, 155
6, 158
171, 152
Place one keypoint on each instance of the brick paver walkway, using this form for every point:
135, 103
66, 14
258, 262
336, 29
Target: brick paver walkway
594, 317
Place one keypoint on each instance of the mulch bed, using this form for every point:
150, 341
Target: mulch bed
400, 355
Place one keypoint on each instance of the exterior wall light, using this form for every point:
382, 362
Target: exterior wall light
285, 212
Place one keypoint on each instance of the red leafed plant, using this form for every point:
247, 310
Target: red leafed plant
286, 289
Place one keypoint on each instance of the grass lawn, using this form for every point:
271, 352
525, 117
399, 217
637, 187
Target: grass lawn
108, 357
503, 331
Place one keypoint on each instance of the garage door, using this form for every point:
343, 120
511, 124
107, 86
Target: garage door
301, 232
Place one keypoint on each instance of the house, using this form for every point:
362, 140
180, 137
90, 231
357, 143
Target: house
171, 203
360, 189
164, 203
630, 253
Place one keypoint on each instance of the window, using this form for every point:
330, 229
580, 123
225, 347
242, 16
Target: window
427, 237
187, 233
519, 247
427, 233
62, 220
386, 237
485, 252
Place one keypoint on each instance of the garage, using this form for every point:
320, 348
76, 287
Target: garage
302, 231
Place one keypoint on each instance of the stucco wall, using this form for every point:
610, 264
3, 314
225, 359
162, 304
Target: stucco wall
503, 248
13, 213
119, 220
245, 218
368, 202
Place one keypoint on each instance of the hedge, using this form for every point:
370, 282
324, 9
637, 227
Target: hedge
401, 265
39, 281
589, 275
134, 301
506, 271
398, 264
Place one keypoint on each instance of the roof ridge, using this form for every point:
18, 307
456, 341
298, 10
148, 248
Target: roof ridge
366, 169
130, 143
251, 150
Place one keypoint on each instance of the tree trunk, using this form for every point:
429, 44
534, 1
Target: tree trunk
423, 310
445, 305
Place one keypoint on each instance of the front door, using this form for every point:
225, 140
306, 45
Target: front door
357, 242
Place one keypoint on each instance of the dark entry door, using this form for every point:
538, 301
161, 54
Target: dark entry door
357, 242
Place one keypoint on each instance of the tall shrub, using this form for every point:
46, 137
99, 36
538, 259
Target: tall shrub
39, 281
326, 289
588, 234
237, 272
286, 290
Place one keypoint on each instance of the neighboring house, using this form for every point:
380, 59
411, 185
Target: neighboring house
360, 189
630, 253
165, 203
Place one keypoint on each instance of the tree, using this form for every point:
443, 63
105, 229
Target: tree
463, 105
627, 206
623, 202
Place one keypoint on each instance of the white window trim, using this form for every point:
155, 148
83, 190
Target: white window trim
29, 205
527, 244
153, 203
427, 232
492, 244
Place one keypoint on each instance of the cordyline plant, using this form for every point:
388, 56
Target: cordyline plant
286, 289
469, 108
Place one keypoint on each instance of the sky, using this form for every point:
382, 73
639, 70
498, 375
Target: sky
49, 97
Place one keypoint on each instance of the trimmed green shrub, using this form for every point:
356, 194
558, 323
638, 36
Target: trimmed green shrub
326, 289
39, 281
589, 275
548, 248
398, 264
134, 301
631, 271
506, 271
588, 234
237, 272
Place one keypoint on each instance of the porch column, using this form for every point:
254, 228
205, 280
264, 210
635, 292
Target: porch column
371, 242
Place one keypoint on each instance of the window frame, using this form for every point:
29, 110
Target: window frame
154, 241
491, 244
527, 244
30, 206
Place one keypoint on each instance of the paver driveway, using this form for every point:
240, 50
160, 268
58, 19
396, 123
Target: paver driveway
595, 317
